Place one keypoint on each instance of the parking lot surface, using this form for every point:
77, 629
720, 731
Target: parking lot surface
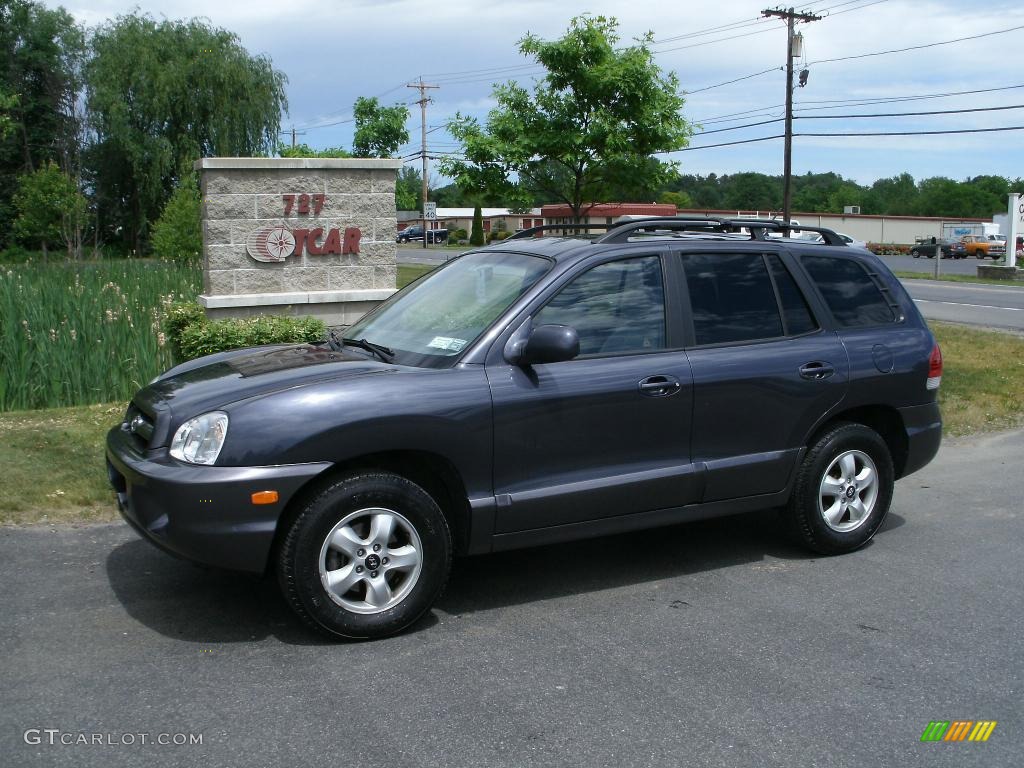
711, 644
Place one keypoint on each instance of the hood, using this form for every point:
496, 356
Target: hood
214, 382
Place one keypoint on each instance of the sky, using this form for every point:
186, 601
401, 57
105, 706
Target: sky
334, 52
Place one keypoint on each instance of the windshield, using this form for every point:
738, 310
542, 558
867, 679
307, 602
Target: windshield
436, 318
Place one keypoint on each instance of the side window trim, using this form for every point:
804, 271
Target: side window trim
778, 296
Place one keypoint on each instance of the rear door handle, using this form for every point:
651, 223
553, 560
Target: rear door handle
816, 370
659, 386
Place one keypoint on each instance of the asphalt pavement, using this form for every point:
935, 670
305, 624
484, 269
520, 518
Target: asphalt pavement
991, 306
717, 643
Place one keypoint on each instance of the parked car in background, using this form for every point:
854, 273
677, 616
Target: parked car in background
415, 234
982, 247
539, 391
951, 249
850, 241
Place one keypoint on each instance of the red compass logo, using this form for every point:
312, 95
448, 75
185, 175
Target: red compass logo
270, 244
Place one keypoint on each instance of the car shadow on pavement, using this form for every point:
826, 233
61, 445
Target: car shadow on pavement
192, 603
204, 605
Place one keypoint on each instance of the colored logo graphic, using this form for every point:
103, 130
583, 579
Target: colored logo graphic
270, 244
958, 730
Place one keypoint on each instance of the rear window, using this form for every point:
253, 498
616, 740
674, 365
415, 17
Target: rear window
850, 292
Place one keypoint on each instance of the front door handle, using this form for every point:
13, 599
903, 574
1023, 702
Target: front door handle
659, 386
816, 371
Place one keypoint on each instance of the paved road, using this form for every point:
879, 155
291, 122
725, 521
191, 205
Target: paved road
713, 644
986, 305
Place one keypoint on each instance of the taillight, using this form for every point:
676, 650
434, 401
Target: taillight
935, 368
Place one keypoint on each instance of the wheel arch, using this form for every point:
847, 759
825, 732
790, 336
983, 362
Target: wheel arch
883, 419
432, 472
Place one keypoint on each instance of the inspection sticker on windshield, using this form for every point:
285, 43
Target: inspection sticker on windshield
451, 345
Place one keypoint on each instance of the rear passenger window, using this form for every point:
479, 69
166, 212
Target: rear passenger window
795, 312
850, 292
731, 297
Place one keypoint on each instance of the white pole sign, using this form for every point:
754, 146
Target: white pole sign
1016, 218
430, 211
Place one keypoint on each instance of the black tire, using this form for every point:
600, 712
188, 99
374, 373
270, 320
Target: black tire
301, 556
805, 509
915, 254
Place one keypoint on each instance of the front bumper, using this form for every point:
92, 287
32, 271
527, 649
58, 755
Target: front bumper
923, 424
202, 513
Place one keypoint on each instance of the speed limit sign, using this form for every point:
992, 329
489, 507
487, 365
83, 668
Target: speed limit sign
430, 211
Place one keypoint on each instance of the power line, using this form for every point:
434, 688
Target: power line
876, 115
853, 134
919, 47
837, 103
919, 133
730, 82
909, 114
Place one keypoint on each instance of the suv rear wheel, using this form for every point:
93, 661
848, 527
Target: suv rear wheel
843, 489
367, 557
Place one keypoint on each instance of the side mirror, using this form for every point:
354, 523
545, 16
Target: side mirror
546, 344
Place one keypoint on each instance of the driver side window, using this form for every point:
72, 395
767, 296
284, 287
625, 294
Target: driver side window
616, 308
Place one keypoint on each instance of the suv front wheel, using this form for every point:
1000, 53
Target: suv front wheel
367, 557
843, 490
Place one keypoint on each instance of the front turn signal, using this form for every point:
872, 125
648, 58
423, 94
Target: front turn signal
265, 497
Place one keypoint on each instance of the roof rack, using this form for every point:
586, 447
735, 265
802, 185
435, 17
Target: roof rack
522, 234
758, 228
621, 231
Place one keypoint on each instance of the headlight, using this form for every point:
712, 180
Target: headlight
199, 440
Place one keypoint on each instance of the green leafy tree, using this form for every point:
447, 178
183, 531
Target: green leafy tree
751, 192
476, 236
304, 150
163, 93
678, 199
380, 131
7, 103
41, 55
598, 114
409, 190
178, 234
50, 209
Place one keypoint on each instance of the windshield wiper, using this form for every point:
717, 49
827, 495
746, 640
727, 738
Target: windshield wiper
384, 353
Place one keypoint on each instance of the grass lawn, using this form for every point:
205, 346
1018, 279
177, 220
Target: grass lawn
55, 472
958, 279
409, 272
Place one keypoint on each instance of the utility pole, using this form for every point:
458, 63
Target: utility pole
293, 137
787, 174
423, 149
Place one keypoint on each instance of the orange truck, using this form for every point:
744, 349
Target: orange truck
981, 247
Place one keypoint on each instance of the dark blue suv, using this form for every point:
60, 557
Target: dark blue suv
541, 390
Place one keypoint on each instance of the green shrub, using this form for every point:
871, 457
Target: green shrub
177, 234
15, 254
191, 335
458, 234
179, 317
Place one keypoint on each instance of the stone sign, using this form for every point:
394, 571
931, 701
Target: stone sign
299, 236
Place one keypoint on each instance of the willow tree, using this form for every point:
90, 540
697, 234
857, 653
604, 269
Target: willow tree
591, 122
161, 94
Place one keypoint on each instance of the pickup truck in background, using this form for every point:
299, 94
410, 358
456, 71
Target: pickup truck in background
982, 247
415, 233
